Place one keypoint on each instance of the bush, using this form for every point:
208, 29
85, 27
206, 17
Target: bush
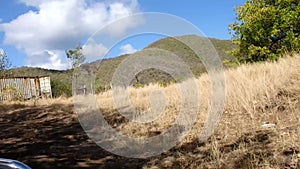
60, 89
266, 29
102, 88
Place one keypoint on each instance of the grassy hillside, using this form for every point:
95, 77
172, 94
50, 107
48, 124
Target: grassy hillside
256, 93
105, 70
108, 67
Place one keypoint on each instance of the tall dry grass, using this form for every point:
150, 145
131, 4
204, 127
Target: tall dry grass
248, 88
255, 93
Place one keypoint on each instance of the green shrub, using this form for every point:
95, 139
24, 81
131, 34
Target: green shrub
102, 88
60, 89
266, 29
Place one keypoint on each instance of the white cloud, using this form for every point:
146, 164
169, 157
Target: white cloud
93, 50
32, 2
57, 25
127, 49
48, 60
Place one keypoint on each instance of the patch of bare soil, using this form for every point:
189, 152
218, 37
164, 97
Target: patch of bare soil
52, 137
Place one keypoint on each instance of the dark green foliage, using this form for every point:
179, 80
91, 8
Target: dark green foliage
102, 88
151, 76
60, 89
266, 29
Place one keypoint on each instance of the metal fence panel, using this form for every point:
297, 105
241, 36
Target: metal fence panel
24, 88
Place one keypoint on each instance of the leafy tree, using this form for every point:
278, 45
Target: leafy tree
266, 29
4, 61
75, 56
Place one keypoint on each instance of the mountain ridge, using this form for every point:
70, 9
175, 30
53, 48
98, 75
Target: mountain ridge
105, 70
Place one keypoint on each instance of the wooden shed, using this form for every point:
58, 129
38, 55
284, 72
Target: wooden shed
25, 88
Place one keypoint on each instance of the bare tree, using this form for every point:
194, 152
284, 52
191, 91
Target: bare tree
75, 56
4, 61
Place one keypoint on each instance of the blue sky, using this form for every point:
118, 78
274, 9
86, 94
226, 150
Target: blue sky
37, 32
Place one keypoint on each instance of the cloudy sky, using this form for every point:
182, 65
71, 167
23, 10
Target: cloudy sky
37, 32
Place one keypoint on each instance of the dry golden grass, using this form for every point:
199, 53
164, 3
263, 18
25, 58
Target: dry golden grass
249, 88
256, 93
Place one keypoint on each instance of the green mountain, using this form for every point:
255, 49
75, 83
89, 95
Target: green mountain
108, 67
104, 69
